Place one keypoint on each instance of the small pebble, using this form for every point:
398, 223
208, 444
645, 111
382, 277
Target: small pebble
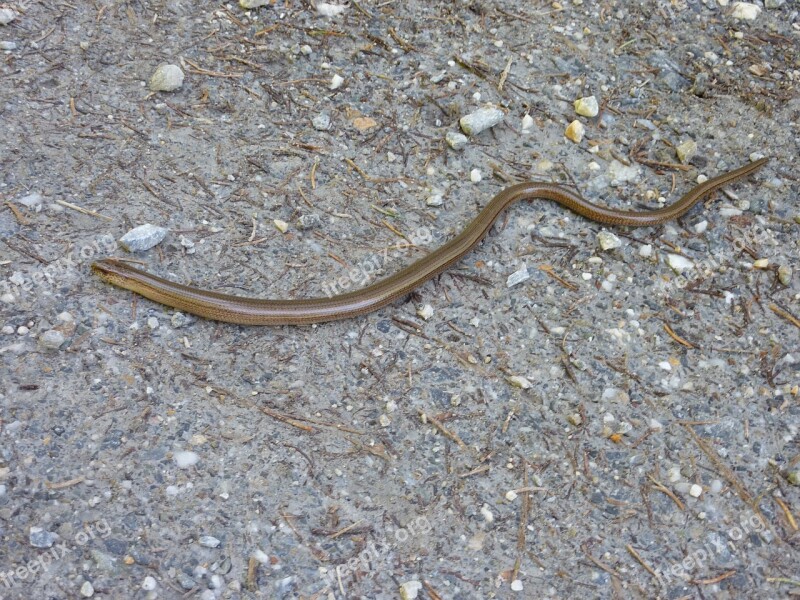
149, 584
745, 11
254, 3
336, 81
679, 263
384, 420
185, 459
511, 495
330, 10
686, 151
152, 323
143, 237
167, 78
40, 538
575, 131
32, 201
520, 382
785, 274
481, 120
587, 107
425, 311
695, 490
608, 241
8, 46
178, 320
6, 16
516, 585
281, 226
518, 276
87, 589
208, 541
51, 339
187, 244
761, 263
621, 173
434, 200
456, 140
309, 221
701, 226
322, 122
527, 122
410, 589
615, 395
475, 175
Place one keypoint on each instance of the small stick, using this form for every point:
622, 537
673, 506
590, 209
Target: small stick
678, 338
85, 211
443, 430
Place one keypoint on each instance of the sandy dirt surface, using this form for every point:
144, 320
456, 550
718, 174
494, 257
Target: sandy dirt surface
622, 423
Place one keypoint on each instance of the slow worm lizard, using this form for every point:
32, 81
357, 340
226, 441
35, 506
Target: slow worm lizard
253, 311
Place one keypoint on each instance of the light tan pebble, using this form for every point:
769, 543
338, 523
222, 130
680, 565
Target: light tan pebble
785, 274
587, 107
575, 131
281, 226
686, 151
761, 263
520, 382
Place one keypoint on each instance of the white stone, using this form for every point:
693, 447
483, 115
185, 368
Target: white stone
608, 241
6, 16
185, 459
527, 122
336, 81
475, 175
481, 120
330, 10
425, 311
518, 276
745, 11
149, 584
167, 78
143, 237
456, 140
679, 263
410, 589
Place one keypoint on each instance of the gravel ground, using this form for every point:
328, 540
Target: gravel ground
620, 423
